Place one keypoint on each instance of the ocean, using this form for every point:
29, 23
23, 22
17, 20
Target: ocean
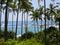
30, 26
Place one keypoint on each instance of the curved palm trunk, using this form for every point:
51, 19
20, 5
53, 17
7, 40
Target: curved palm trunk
45, 20
16, 25
22, 24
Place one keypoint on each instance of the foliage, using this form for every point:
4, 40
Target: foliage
40, 37
9, 33
31, 41
51, 36
27, 35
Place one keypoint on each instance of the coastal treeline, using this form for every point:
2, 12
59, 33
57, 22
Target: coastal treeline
47, 36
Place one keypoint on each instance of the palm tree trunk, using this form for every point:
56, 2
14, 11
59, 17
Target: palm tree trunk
0, 23
41, 25
51, 20
34, 27
59, 24
45, 20
12, 23
37, 25
6, 22
16, 25
48, 24
24, 20
22, 24
27, 23
7, 19
0, 17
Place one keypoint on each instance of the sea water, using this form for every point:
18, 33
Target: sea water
30, 26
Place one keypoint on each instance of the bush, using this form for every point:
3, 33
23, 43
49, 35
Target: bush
51, 36
12, 42
4, 43
1, 39
27, 35
10, 34
39, 36
31, 41
1, 34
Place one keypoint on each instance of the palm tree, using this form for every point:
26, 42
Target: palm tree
12, 9
6, 17
40, 15
23, 6
22, 20
52, 9
12, 23
45, 20
47, 16
29, 8
15, 8
0, 22
35, 17
0, 15
6, 22
57, 17
16, 24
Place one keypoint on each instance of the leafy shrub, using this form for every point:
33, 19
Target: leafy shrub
1, 39
1, 34
51, 36
10, 34
31, 41
12, 42
39, 36
27, 35
4, 43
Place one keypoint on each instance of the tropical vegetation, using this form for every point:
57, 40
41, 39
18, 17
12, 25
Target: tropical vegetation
49, 35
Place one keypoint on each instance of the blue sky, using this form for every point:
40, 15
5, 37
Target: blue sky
35, 5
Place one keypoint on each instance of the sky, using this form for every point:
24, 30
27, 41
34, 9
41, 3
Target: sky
34, 4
